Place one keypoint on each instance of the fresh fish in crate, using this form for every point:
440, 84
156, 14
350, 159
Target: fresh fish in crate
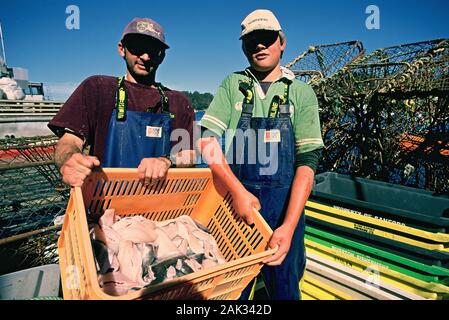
134, 252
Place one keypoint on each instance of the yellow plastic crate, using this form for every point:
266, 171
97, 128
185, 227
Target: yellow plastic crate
390, 230
192, 192
427, 290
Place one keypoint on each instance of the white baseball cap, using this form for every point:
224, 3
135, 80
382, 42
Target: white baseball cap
260, 19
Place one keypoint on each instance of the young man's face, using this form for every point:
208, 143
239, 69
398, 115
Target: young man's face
263, 49
143, 54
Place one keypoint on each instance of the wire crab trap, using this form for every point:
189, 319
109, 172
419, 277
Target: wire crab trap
32, 197
322, 61
374, 106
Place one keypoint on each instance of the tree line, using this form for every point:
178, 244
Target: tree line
200, 101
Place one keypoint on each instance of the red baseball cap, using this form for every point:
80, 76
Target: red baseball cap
147, 27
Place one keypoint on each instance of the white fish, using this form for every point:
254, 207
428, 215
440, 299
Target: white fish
108, 218
166, 248
116, 284
130, 260
171, 273
136, 229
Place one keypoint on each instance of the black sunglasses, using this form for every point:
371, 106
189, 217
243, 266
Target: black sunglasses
264, 37
139, 50
139, 46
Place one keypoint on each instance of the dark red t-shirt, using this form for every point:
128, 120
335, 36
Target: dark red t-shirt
88, 110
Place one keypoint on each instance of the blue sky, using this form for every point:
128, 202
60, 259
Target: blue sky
203, 35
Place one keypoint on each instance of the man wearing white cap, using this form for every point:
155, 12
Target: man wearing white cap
267, 114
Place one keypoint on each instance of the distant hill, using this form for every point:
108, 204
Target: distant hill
200, 101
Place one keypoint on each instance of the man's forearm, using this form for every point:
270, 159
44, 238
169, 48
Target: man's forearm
301, 188
214, 157
64, 150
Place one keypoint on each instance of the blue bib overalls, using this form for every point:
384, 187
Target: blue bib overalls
134, 135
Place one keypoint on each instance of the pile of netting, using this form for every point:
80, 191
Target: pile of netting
32, 198
322, 61
385, 115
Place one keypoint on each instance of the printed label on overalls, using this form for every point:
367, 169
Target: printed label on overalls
272, 136
154, 132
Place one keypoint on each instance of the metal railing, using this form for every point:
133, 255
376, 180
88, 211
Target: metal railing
12, 111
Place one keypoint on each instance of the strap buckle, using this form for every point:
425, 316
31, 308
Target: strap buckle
121, 100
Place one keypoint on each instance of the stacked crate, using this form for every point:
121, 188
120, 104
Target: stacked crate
391, 238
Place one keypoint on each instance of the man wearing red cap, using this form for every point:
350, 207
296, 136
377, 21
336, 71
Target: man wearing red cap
126, 121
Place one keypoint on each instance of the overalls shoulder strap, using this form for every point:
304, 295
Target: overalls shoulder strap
246, 87
279, 106
164, 99
121, 99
